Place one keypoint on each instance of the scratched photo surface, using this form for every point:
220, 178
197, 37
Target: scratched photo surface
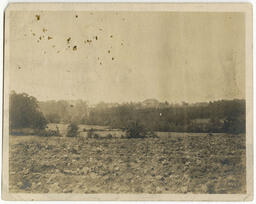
127, 102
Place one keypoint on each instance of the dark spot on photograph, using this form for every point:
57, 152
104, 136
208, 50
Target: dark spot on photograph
37, 17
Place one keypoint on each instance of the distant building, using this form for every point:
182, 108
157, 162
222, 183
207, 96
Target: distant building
152, 103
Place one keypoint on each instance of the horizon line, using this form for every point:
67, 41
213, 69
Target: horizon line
135, 101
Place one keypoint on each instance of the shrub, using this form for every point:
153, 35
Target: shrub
72, 130
47, 133
151, 134
90, 133
135, 130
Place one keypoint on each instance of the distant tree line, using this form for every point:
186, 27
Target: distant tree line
217, 116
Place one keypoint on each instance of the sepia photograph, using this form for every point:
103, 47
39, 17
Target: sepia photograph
127, 102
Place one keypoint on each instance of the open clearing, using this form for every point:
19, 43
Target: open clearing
177, 164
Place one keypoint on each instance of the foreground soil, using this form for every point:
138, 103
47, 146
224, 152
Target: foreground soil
188, 164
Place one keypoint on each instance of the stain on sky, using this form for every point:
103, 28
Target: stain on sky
37, 17
89, 41
183, 54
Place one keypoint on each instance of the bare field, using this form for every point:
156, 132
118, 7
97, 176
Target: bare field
177, 164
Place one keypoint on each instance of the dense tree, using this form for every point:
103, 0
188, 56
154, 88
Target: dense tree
72, 130
24, 112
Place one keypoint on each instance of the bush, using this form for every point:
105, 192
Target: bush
72, 130
91, 134
151, 134
135, 130
47, 133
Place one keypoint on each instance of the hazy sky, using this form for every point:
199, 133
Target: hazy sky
170, 56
